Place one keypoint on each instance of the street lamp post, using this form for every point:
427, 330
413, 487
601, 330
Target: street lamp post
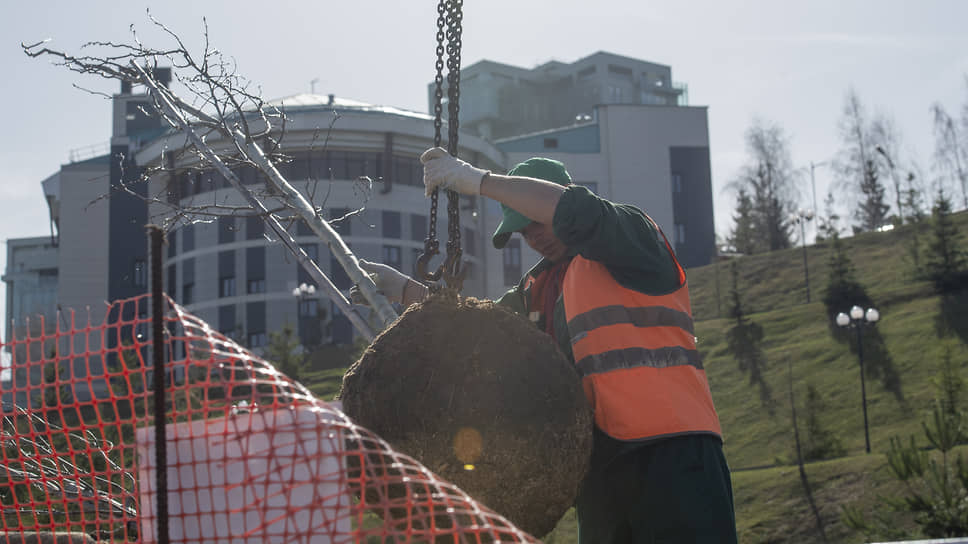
801, 217
857, 319
303, 292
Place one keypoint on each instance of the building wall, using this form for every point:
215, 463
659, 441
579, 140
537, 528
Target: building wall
500, 101
393, 217
31, 282
638, 151
83, 234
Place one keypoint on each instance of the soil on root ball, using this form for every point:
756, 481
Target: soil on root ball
484, 399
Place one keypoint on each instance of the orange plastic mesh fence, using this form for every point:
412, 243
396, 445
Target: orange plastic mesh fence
252, 455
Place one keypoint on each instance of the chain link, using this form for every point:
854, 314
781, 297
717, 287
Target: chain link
449, 16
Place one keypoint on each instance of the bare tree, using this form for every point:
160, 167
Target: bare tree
886, 139
855, 163
770, 181
226, 126
951, 148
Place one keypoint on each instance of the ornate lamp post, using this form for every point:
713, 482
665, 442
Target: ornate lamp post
801, 218
857, 319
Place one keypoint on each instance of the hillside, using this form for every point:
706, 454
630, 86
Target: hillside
798, 339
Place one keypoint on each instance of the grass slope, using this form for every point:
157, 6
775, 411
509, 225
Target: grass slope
798, 338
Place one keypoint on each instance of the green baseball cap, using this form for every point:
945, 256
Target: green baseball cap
536, 167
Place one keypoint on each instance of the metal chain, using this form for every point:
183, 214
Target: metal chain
452, 271
449, 15
431, 244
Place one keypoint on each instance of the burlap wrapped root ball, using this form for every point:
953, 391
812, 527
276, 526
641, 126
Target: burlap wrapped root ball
484, 399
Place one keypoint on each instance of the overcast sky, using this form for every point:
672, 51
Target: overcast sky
789, 62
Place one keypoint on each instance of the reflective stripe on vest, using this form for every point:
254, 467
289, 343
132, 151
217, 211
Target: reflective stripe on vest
637, 356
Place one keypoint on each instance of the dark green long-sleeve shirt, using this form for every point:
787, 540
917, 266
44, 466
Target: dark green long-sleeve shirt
617, 235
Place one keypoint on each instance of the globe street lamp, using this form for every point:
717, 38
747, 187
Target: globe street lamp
801, 217
857, 319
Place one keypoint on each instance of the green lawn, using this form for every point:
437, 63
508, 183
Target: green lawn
798, 339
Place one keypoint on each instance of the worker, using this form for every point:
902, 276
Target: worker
611, 292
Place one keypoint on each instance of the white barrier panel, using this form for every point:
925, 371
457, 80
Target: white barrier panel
273, 476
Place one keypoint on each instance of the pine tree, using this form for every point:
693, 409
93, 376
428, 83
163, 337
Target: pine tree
744, 236
872, 211
945, 265
934, 492
821, 443
771, 213
843, 290
828, 226
769, 180
283, 351
744, 341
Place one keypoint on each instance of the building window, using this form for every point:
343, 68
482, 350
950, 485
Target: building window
226, 286
254, 227
469, 241
676, 183
172, 244
341, 329
302, 228
415, 253
336, 273
615, 94
255, 270
257, 339
312, 251
680, 233
418, 227
392, 257
188, 282
512, 262
226, 320
140, 273
172, 285
255, 286
255, 323
551, 143
308, 307
391, 225
188, 294
226, 229
188, 238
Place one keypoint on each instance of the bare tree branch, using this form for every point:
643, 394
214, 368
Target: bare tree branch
226, 140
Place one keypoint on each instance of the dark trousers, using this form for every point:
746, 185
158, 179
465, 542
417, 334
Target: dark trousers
668, 490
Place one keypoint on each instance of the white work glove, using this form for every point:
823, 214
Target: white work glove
387, 279
447, 172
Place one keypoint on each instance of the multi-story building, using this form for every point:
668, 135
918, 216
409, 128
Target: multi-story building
654, 157
225, 270
499, 101
31, 279
620, 126
617, 123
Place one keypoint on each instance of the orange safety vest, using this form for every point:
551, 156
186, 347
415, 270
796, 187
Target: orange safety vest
637, 356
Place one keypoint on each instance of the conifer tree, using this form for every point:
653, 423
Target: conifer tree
821, 443
843, 290
934, 489
828, 225
872, 211
945, 264
744, 236
744, 341
283, 351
